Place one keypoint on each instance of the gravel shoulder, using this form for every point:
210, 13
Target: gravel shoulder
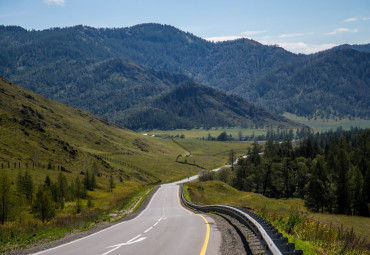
237, 239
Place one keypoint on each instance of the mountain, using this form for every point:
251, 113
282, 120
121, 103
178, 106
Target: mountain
328, 84
237, 67
110, 87
358, 47
106, 88
191, 105
39, 131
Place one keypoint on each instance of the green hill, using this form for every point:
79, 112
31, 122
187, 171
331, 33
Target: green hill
191, 105
37, 132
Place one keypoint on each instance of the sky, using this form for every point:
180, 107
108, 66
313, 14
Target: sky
300, 26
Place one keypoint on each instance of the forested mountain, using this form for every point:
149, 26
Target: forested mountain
328, 84
358, 47
244, 67
193, 105
106, 88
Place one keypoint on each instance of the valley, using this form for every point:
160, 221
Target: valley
94, 121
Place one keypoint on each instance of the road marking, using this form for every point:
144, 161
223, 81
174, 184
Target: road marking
204, 248
205, 244
178, 201
123, 244
96, 233
148, 230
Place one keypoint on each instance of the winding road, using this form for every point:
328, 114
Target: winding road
164, 227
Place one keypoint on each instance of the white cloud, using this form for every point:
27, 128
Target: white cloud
342, 30
300, 47
289, 35
223, 38
255, 32
365, 18
295, 47
350, 20
56, 2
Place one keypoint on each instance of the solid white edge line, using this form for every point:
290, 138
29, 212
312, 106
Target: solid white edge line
93, 234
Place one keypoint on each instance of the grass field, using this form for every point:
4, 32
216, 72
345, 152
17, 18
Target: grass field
321, 125
203, 133
216, 192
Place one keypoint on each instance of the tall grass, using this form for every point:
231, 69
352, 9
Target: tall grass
329, 239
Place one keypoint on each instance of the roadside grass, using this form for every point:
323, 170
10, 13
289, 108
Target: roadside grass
124, 199
318, 226
321, 125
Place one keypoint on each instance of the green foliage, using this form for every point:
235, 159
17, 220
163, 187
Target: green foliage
190, 105
5, 197
112, 185
44, 207
323, 169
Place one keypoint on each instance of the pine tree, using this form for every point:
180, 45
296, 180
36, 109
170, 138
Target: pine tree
111, 183
44, 207
5, 197
342, 183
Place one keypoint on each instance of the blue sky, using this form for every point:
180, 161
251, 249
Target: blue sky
301, 26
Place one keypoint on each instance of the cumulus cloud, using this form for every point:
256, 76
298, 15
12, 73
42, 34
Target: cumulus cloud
342, 30
301, 47
255, 32
56, 2
350, 20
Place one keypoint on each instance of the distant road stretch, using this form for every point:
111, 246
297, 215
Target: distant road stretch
164, 227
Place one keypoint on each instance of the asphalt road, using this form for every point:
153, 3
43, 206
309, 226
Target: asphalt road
164, 227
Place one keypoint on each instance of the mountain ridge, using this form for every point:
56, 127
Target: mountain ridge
236, 67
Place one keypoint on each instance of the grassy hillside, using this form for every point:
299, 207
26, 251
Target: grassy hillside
44, 138
37, 131
216, 192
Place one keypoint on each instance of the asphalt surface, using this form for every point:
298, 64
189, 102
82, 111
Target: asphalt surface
164, 227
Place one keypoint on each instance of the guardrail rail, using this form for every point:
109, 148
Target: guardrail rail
272, 241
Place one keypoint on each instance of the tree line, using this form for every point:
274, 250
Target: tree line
330, 171
23, 196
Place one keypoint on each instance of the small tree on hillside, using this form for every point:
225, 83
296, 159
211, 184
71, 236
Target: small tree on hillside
5, 198
44, 207
111, 183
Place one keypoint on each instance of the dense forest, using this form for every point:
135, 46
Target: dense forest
330, 171
61, 60
190, 105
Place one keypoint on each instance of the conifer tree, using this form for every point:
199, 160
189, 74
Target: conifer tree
5, 197
43, 206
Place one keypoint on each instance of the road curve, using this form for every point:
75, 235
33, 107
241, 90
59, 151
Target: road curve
164, 227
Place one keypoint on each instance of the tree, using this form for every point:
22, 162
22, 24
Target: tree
44, 207
232, 159
222, 137
62, 186
111, 183
5, 197
28, 186
342, 183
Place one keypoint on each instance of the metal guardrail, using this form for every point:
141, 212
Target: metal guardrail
272, 241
